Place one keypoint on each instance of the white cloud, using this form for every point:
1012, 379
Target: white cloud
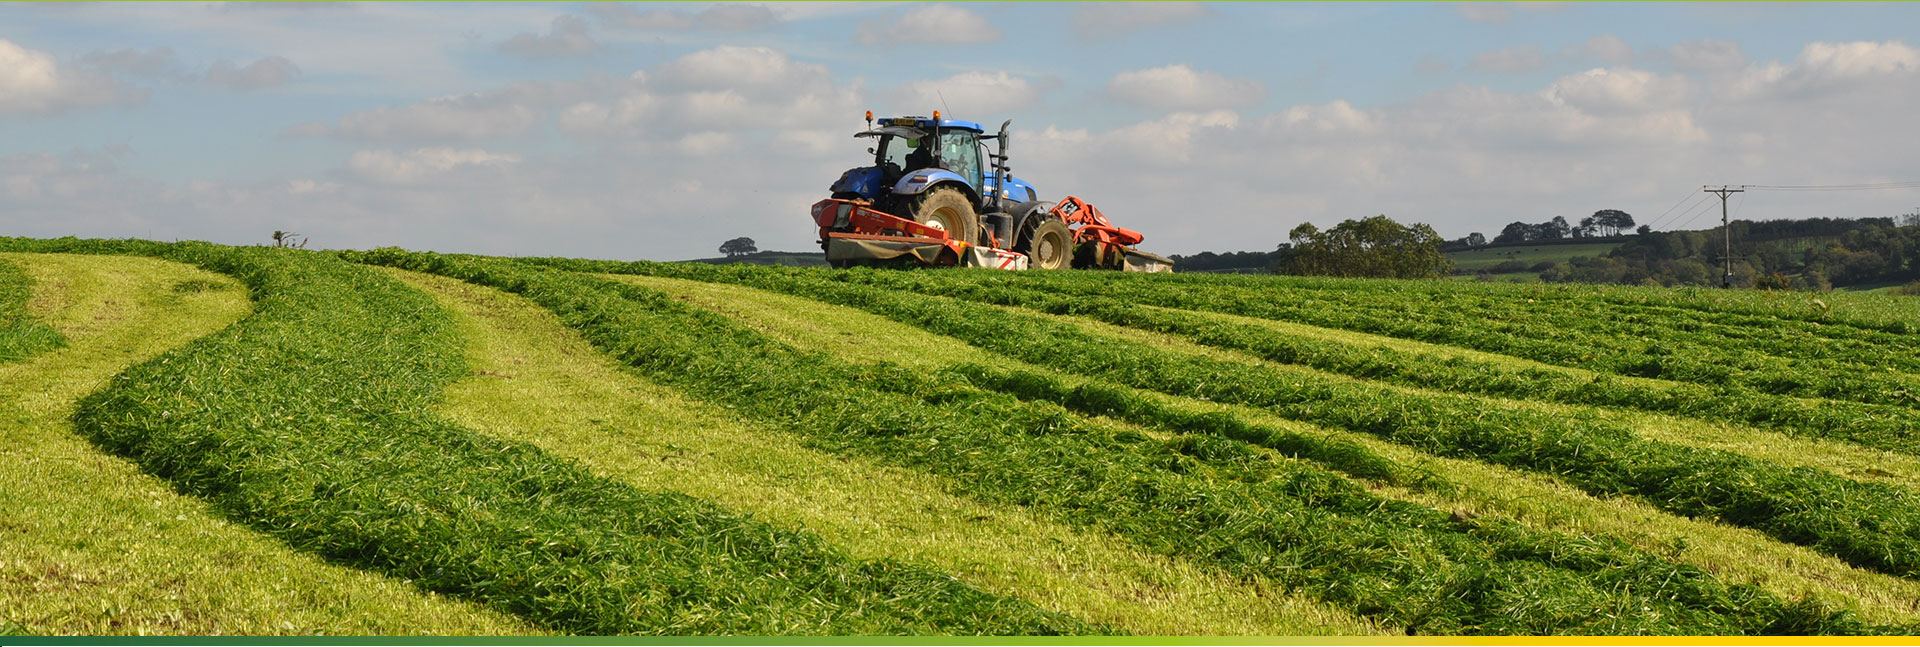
34, 82
979, 94
305, 186
568, 36
719, 17
931, 24
1181, 87
1825, 68
1617, 91
263, 73
386, 166
1609, 48
1107, 19
1519, 59
462, 117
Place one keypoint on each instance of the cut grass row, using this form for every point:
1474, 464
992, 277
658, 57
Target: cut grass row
1878, 426
1565, 332
1198, 496
537, 381
309, 421
93, 546
21, 334
1867, 524
1466, 487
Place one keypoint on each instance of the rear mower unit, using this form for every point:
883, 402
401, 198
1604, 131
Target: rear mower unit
929, 200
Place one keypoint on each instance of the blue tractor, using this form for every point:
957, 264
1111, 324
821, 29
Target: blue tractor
935, 178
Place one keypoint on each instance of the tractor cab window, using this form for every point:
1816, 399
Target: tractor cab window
960, 153
894, 151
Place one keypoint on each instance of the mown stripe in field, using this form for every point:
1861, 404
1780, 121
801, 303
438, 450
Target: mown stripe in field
1866, 524
537, 381
1423, 365
96, 547
22, 333
1513, 323
308, 420
1468, 487
728, 363
1851, 460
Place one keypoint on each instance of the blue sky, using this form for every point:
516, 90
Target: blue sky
657, 130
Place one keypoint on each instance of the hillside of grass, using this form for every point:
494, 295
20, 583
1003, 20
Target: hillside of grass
462, 444
1523, 258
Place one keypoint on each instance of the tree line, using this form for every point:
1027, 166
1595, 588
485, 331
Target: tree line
1813, 254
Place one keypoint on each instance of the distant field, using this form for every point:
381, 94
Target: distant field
1474, 260
258, 440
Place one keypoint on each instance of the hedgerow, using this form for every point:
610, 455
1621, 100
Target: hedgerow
309, 421
20, 335
1198, 496
1870, 525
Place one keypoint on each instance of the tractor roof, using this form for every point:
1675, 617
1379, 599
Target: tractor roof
925, 123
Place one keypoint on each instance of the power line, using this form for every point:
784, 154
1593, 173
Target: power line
1691, 195
1693, 202
1698, 209
1871, 186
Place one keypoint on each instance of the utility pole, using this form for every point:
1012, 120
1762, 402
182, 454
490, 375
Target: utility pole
1726, 280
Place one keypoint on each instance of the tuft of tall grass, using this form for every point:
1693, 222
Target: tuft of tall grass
20, 335
309, 421
1200, 496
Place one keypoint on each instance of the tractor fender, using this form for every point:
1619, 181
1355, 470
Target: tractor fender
1025, 211
918, 182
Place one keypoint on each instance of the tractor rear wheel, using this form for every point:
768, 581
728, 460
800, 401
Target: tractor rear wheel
1047, 243
948, 209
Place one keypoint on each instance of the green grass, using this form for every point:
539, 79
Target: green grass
1453, 485
309, 421
536, 381
1868, 524
1199, 496
95, 546
1473, 260
21, 333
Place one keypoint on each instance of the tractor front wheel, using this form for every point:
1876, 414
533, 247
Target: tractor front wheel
948, 209
1047, 243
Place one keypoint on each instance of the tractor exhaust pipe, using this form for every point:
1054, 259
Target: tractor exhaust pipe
1000, 168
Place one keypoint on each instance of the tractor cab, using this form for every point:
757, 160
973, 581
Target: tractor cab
912, 155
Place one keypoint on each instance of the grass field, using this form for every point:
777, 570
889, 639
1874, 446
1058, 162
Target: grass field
393, 442
1474, 260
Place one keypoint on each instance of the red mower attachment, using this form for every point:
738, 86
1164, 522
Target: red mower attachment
1097, 243
854, 233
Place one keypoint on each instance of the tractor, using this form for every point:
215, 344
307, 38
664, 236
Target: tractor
935, 195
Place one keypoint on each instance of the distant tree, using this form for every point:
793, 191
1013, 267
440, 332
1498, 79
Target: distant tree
1644, 230
1371, 247
1555, 229
738, 247
1516, 232
1611, 221
1588, 227
1476, 239
1910, 219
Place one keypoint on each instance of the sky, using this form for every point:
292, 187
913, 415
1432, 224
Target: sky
659, 130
